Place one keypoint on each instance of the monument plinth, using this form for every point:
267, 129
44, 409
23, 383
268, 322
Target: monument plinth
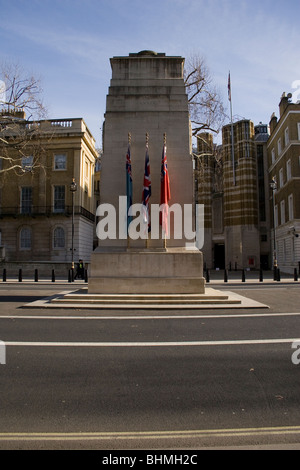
147, 97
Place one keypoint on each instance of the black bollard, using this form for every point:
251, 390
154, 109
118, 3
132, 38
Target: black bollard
207, 276
70, 275
4, 275
295, 274
225, 275
53, 275
36, 275
261, 275
243, 276
20, 275
85, 275
278, 274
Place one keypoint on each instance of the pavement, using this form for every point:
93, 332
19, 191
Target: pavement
75, 294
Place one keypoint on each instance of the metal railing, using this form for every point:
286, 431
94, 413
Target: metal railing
35, 211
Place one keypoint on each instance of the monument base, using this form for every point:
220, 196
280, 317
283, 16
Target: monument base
131, 271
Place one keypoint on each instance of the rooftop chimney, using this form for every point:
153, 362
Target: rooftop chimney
273, 123
284, 102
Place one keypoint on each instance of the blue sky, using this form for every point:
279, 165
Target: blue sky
68, 44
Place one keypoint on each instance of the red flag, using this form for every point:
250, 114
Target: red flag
165, 194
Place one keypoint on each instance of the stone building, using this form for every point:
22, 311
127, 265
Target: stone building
284, 167
36, 205
235, 197
263, 194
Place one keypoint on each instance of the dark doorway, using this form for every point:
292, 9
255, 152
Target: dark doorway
219, 256
264, 262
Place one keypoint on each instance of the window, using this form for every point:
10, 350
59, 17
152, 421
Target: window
58, 238
26, 200
273, 155
60, 161
286, 137
280, 177
279, 147
27, 163
282, 212
288, 170
25, 238
59, 198
246, 131
247, 150
291, 207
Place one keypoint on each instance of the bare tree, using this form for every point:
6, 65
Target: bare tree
21, 108
207, 117
205, 104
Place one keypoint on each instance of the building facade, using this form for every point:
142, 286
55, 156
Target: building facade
263, 194
284, 170
233, 186
40, 219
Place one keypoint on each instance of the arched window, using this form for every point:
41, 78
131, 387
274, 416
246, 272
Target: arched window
25, 238
59, 238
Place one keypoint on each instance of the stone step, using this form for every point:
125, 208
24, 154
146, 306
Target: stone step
83, 298
135, 302
141, 298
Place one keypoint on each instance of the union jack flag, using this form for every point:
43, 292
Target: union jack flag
229, 87
147, 191
128, 185
165, 194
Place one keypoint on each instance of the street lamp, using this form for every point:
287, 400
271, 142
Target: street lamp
73, 189
273, 186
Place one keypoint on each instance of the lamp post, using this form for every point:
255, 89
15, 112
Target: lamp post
73, 189
273, 186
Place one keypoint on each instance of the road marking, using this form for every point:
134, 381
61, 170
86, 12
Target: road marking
146, 317
114, 344
194, 434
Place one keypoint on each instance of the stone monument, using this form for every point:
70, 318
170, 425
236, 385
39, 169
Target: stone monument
146, 112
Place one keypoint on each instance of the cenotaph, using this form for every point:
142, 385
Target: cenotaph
146, 110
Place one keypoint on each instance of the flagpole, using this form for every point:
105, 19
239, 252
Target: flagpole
147, 147
232, 137
128, 238
165, 238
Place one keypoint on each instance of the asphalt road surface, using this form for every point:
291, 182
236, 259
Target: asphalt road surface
95, 379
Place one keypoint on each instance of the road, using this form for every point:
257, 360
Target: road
150, 380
